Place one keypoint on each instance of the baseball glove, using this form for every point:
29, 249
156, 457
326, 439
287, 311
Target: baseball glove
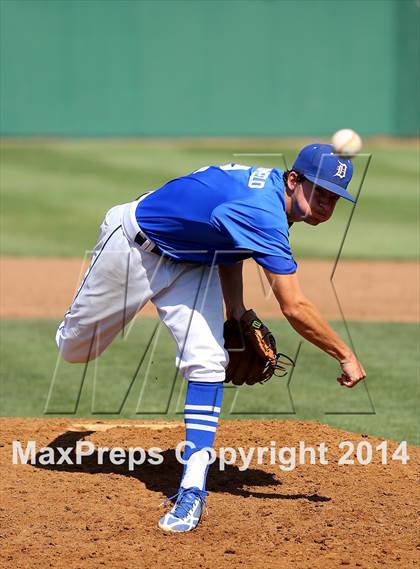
253, 356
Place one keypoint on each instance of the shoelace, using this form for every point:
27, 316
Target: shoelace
184, 504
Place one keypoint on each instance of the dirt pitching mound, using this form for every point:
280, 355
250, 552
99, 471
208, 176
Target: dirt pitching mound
92, 515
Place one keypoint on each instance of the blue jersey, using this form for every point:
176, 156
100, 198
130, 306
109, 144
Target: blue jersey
221, 214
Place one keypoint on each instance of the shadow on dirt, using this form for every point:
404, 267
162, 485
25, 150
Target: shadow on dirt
164, 477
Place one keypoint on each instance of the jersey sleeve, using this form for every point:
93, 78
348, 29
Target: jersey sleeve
259, 226
276, 264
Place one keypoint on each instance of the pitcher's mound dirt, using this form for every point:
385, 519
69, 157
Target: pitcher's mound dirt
315, 516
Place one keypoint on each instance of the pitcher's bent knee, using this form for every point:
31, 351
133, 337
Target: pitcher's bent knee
74, 349
207, 365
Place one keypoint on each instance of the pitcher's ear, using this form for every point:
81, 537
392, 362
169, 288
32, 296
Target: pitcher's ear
292, 179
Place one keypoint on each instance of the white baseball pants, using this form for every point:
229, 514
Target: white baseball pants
121, 278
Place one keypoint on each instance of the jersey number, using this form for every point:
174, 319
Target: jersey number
256, 180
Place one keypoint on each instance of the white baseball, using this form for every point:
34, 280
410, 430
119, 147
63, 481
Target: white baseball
346, 142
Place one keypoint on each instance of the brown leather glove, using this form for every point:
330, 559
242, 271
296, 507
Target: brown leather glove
252, 351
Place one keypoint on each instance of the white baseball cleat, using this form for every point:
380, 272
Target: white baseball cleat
186, 513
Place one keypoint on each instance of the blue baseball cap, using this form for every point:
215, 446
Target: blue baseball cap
319, 164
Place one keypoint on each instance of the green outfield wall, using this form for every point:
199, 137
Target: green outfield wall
212, 68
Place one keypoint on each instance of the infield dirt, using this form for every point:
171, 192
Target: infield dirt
315, 516
381, 291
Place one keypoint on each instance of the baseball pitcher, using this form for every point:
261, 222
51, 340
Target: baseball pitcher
181, 247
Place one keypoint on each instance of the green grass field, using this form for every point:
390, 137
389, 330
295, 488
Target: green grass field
29, 360
55, 194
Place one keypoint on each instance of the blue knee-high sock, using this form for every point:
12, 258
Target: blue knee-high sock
201, 412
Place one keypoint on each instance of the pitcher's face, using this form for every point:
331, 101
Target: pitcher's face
313, 204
